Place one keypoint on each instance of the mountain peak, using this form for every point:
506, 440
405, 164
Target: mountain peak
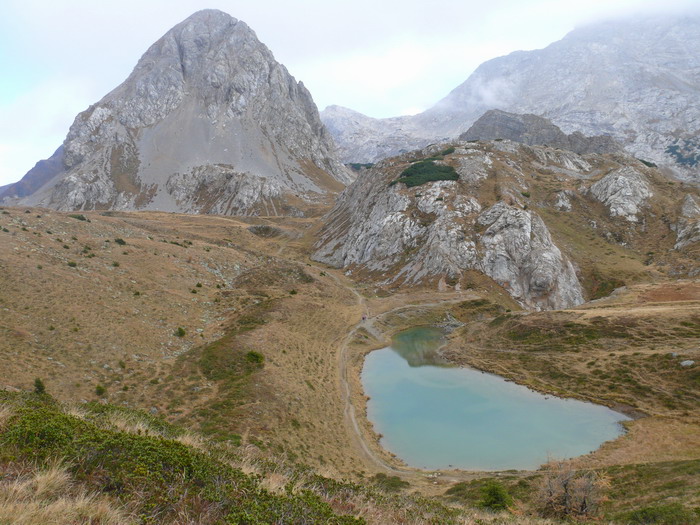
207, 122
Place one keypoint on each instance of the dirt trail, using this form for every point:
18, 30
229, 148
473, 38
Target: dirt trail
368, 325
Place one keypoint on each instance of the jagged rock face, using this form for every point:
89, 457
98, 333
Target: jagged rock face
205, 105
445, 229
535, 131
623, 191
500, 219
635, 80
688, 227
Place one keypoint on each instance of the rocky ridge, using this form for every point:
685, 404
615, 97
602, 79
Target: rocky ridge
535, 131
206, 107
505, 218
635, 80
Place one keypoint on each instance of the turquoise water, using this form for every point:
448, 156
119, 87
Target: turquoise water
439, 417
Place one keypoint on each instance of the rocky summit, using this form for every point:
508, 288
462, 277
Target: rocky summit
208, 122
545, 224
635, 80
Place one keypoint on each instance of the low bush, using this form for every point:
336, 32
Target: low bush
426, 171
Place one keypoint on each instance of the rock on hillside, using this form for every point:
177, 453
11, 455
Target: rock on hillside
208, 122
537, 220
688, 226
637, 80
535, 131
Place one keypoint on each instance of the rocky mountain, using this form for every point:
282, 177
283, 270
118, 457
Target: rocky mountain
549, 226
637, 80
535, 131
208, 122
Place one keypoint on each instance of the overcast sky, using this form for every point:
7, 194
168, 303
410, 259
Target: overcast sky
380, 57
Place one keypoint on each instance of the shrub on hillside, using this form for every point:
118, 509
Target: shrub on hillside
425, 171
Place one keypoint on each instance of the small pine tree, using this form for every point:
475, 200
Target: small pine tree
39, 387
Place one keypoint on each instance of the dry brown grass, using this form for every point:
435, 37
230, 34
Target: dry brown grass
48, 497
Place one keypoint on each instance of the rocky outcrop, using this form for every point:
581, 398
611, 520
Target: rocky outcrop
518, 253
536, 131
688, 226
440, 229
636, 80
623, 191
206, 108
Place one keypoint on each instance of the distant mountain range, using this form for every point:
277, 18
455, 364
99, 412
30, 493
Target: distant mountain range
637, 80
209, 122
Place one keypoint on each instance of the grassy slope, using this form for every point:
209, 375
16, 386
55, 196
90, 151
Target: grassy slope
260, 298
117, 465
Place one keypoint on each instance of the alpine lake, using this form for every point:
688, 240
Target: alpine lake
435, 416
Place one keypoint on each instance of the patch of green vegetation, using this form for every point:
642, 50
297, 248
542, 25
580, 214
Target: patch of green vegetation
120, 241
494, 494
163, 480
670, 514
357, 166
390, 483
425, 171
78, 216
647, 163
639, 488
180, 332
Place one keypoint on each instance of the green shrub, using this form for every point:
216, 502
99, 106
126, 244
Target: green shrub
494, 496
120, 241
72, 264
78, 216
255, 357
39, 387
390, 483
180, 332
426, 171
100, 390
